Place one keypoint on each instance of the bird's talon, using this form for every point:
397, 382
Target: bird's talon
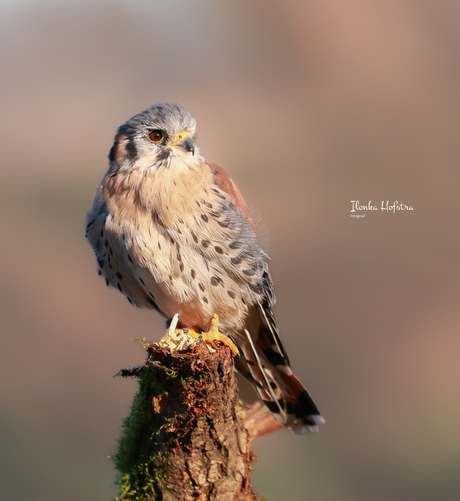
214, 335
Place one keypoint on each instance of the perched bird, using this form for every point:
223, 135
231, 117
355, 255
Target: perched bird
173, 233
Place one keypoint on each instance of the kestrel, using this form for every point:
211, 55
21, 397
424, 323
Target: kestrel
173, 233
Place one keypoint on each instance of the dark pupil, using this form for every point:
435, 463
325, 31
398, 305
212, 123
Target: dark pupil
156, 135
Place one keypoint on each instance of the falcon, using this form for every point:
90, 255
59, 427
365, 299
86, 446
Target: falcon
172, 232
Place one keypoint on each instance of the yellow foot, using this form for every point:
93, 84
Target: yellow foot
182, 338
214, 335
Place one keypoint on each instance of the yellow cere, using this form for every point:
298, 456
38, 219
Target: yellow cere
181, 136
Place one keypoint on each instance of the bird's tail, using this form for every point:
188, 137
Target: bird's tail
267, 367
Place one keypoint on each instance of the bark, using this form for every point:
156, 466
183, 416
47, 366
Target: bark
185, 438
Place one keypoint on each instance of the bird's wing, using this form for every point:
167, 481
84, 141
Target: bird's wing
264, 360
226, 183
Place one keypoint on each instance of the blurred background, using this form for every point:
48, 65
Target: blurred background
308, 105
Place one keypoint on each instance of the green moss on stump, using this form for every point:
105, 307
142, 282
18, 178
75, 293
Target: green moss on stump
147, 432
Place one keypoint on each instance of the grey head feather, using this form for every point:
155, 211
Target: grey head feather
171, 118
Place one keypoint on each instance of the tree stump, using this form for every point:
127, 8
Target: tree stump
185, 438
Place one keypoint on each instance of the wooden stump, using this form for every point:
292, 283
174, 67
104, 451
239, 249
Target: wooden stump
185, 438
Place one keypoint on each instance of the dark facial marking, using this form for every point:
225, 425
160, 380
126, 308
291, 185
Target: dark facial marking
205, 299
106, 243
201, 286
141, 281
219, 250
231, 294
193, 274
205, 243
119, 276
119, 286
131, 150
215, 281
163, 155
236, 260
195, 238
100, 262
112, 153
235, 245
181, 267
204, 217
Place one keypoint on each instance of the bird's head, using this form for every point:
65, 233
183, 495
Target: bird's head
155, 137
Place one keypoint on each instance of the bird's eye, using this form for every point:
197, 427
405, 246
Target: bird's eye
180, 137
156, 136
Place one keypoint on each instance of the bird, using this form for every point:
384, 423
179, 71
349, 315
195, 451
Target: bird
173, 233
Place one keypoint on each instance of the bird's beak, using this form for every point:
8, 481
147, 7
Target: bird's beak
186, 144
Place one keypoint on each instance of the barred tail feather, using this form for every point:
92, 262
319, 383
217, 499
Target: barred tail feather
276, 384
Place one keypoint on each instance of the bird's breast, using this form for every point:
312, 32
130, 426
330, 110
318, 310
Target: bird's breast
182, 244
